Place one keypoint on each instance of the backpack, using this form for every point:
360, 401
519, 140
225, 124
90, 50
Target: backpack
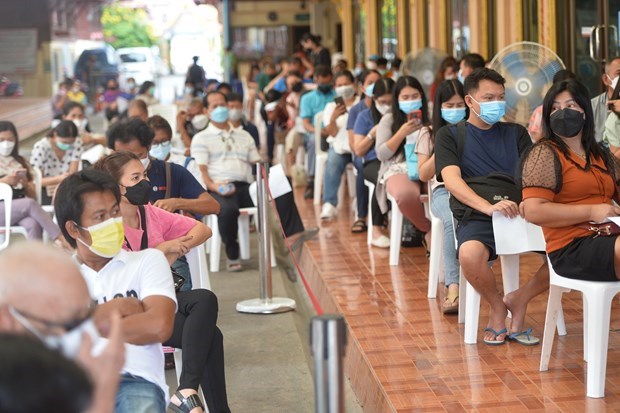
495, 187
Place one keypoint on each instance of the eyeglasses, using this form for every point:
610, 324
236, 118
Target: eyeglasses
23, 317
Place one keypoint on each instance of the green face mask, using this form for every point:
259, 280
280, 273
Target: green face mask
107, 237
64, 146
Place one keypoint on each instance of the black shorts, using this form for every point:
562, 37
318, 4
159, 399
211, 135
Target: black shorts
586, 258
476, 230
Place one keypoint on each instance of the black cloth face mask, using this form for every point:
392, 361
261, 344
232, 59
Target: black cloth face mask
566, 122
324, 88
140, 193
297, 87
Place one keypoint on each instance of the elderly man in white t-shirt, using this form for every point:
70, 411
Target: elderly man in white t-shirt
225, 156
138, 285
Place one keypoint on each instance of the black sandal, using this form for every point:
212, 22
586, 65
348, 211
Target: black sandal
187, 403
359, 226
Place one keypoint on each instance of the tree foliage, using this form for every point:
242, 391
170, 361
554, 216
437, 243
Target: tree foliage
126, 27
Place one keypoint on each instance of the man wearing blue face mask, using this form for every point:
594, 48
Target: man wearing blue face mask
312, 103
472, 151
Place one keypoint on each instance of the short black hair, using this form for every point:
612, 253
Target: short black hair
61, 385
205, 100
69, 106
65, 129
157, 122
69, 197
347, 74
234, 97
272, 96
564, 74
223, 85
473, 80
473, 60
382, 61
323, 71
127, 130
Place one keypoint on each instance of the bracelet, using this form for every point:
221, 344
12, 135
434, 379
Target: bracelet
370, 137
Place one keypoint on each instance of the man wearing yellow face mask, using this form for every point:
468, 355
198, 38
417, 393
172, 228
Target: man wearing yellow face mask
136, 284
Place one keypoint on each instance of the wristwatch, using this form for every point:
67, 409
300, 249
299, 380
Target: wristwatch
370, 137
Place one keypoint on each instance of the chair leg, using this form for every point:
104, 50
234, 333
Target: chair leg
371, 193
585, 326
216, 246
561, 325
319, 175
554, 303
472, 313
434, 267
599, 313
178, 363
396, 233
510, 274
243, 234
462, 297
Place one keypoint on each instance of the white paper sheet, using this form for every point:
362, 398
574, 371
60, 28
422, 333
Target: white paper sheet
278, 184
516, 235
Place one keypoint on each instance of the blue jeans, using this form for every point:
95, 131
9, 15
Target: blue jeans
440, 206
334, 169
311, 152
361, 190
137, 395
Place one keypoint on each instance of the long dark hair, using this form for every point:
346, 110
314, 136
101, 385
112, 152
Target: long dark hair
5, 126
444, 92
397, 115
362, 78
580, 94
382, 87
114, 164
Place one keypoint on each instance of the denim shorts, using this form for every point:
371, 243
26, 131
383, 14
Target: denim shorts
138, 395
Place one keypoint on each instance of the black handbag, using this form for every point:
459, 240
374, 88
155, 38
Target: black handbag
177, 278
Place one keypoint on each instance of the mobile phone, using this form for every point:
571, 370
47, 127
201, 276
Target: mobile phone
20, 173
416, 114
339, 100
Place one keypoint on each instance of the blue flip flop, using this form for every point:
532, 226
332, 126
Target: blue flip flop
495, 342
524, 338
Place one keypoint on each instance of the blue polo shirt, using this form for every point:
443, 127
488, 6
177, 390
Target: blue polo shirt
280, 85
363, 124
314, 102
354, 112
182, 182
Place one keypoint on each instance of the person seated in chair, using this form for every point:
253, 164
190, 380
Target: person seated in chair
490, 147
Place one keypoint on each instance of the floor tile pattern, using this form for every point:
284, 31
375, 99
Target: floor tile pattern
404, 355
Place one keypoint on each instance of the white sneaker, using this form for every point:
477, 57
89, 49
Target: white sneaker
381, 242
328, 211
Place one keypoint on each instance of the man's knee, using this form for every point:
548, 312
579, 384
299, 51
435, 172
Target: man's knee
473, 254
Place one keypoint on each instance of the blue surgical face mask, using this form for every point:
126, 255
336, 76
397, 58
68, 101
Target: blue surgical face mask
219, 114
64, 146
160, 151
491, 112
460, 77
454, 115
369, 89
408, 106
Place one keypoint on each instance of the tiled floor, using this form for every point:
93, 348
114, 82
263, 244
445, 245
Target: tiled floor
404, 355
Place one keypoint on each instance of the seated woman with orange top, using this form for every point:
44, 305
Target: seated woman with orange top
570, 181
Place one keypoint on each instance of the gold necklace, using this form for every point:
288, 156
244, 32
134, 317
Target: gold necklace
582, 156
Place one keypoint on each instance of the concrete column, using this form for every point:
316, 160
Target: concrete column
416, 13
372, 28
402, 29
437, 24
547, 24
348, 45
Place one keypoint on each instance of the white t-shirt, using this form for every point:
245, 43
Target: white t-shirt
138, 274
188, 163
340, 142
229, 155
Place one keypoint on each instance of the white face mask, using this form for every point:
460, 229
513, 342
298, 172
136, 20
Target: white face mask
6, 147
69, 343
383, 109
614, 81
200, 121
145, 162
235, 114
80, 124
346, 91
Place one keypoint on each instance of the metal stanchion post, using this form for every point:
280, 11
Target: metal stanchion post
265, 304
328, 338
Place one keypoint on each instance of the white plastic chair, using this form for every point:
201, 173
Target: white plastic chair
166, 111
371, 193
508, 252
243, 235
6, 196
597, 298
396, 231
320, 159
436, 272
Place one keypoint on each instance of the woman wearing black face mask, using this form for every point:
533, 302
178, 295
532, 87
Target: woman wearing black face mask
319, 55
195, 329
569, 182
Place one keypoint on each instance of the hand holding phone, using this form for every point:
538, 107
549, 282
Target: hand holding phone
339, 100
21, 174
415, 116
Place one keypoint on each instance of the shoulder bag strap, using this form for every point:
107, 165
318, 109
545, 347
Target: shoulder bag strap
168, 183
461, 134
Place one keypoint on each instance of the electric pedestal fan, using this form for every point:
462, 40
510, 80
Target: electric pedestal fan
528, 68
423, 66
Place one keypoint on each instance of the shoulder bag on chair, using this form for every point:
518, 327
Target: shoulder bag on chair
494, 187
